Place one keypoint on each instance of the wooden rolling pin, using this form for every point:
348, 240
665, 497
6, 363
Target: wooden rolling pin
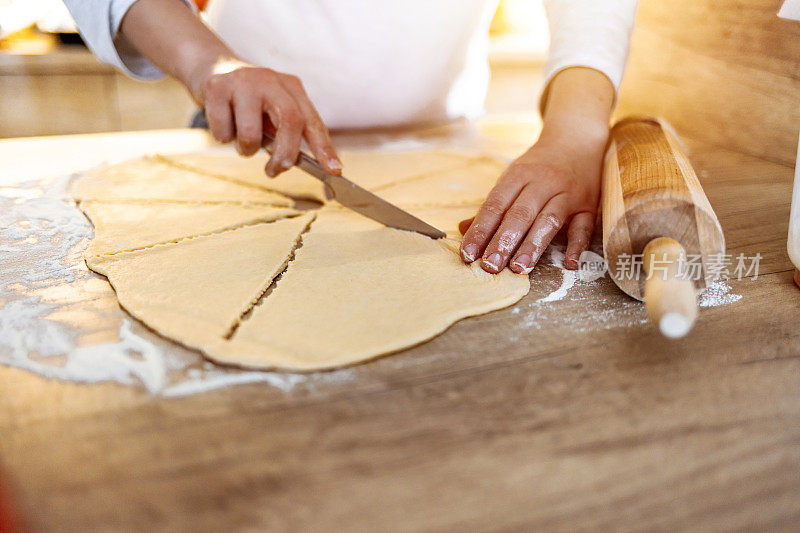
656, 218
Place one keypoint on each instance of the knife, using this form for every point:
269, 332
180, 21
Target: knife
360, 199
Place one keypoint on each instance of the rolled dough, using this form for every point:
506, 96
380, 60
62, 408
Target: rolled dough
250, 171
356, 290
151, 180
375, 170
467, 184
371, 170
446, 218
121, 226
346, 289
195, 291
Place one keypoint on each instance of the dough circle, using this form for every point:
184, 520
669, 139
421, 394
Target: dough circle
208, 252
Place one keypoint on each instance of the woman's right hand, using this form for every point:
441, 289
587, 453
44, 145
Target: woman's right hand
242, 100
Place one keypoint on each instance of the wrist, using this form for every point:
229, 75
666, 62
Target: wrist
576, 131
199, 62
578, 108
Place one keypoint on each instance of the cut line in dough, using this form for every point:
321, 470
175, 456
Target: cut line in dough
208, 270
197, 290
371, 170
463, 185
357, 290
120, 227
249, 172
275, 279
150, 179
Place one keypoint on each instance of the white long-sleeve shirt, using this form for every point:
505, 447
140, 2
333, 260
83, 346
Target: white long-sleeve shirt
373, 63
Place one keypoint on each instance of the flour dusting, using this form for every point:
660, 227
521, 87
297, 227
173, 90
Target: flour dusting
599, 308
555, 254
717, 293
47, 288
48, 299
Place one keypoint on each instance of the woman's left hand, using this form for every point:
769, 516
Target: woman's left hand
556, 183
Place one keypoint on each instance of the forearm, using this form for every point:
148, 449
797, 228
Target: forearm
578, 106
177, 41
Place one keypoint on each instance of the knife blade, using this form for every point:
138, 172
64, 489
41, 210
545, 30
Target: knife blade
360, 199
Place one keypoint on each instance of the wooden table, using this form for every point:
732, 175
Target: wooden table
69, 90
562, 416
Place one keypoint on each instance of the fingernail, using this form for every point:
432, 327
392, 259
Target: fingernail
522, 264
493, 262
287, 164
334, 164
571, 264
469, 252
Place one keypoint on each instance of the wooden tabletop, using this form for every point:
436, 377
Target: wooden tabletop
564, 415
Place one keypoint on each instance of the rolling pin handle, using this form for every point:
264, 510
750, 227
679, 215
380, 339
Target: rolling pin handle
669, 297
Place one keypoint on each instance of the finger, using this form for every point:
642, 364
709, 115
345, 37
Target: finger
220, 117
515, 225
488, 218
249, 120
315, 133
544, 228
289, 124
579, 237
464, 225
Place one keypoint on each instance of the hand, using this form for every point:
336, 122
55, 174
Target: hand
555, 183
241, 101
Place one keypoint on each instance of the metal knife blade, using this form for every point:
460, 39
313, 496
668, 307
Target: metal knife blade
361, 200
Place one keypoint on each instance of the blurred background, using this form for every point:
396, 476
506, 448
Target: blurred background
51, 84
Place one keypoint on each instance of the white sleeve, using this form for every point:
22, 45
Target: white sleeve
98, 23
589, 33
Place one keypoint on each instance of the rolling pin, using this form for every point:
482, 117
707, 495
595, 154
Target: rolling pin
661, 239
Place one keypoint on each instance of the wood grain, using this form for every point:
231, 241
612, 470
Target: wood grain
70, 91
573, 415
650, 190
722, 71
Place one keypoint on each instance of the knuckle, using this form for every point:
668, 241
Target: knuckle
479, 234
213, 84
293, 119
219, 129
508, 240
521, 213
315, 125
293, 80
248, 135
214, 117
542, 171
583, 233
580, 240
552, 221
494, 206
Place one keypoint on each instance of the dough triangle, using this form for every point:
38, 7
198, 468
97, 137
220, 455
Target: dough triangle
468, 184
196, 290
376, 170
356, 290
120, 226
372, 170
443, 217
148, 179
250, 171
